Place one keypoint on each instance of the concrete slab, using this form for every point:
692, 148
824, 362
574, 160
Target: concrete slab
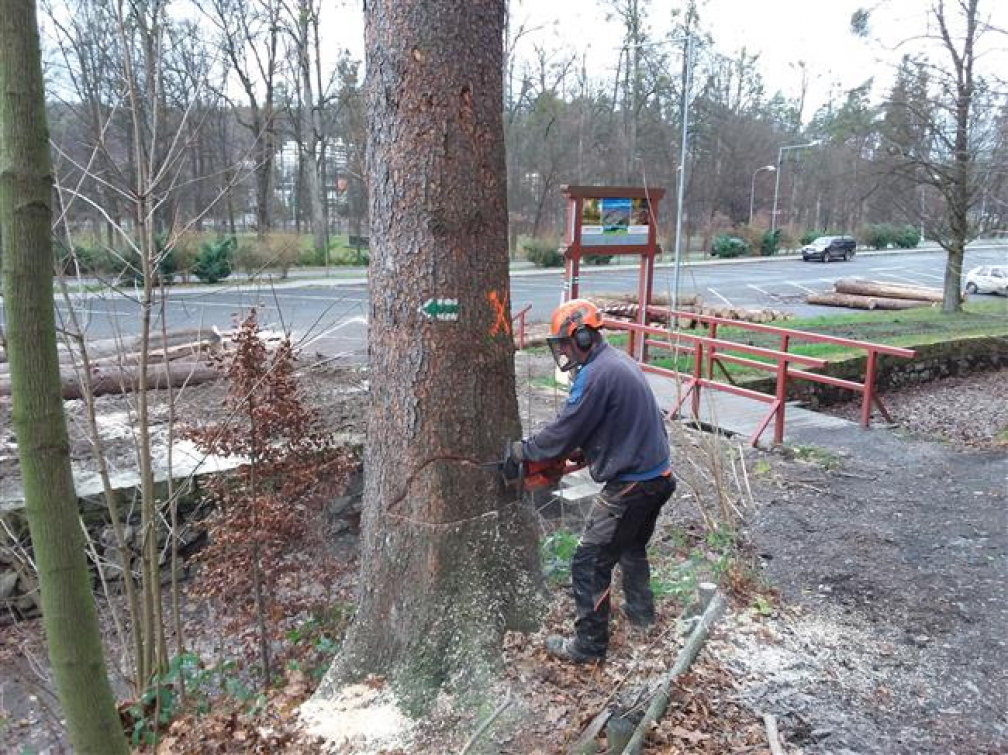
736, 415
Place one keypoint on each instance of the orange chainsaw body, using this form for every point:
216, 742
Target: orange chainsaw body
539, 475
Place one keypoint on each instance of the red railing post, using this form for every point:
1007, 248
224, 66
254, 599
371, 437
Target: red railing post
782, 377
519, 318
711, 333
869, 389
697, 376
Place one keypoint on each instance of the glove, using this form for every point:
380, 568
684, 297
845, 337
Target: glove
512, 462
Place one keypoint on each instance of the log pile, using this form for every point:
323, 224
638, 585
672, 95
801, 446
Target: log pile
658, 314
175, 359
857, 293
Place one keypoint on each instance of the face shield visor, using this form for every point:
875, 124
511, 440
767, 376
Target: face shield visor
564, 353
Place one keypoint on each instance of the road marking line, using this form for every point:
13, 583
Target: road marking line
358, 320
109, 313
803, 288
763, 291
911, 281
722, 298
929, 275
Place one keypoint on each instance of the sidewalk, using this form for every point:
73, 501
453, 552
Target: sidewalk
337, 277
739, 416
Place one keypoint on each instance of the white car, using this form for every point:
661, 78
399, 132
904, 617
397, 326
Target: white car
988, 279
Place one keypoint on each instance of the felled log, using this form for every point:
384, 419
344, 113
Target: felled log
110, 347
660, 315
659, 300
855, 301
864, 287
116, 380
156, 356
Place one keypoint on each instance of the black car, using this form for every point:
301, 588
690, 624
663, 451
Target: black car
826, 248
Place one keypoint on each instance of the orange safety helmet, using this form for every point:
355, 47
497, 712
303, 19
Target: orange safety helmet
572, 332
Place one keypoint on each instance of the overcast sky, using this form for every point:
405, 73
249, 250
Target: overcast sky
782, 32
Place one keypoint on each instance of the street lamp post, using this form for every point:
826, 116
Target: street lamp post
687, 75
752, 191
776, 188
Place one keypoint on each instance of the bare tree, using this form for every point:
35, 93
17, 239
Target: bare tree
312, 97
248, 34
945, 156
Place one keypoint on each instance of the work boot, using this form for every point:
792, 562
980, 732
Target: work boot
568, 650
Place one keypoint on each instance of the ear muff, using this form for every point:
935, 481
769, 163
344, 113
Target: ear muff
583, 338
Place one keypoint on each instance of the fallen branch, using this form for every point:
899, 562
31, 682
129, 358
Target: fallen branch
659, 703
486, 724
585, 744
773, 736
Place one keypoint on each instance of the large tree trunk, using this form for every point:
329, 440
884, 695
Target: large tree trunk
449, 559
68, 610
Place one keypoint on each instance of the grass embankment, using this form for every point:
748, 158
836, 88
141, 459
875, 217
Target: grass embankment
909, 328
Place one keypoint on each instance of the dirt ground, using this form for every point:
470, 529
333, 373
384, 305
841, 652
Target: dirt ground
868, 607
890, 549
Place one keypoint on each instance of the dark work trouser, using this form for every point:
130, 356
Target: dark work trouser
620, 524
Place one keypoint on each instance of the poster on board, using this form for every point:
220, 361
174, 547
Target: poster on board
609, 221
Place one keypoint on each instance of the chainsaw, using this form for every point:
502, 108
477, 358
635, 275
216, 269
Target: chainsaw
535, 475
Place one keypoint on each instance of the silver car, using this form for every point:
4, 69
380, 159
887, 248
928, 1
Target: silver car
987, 279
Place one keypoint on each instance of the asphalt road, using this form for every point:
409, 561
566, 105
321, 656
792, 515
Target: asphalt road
328, 316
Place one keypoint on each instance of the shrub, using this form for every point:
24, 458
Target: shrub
248, 255
768, 244
907, 237
79, 259
185, 251
213, 263
786, 239
167, 265
729, 246
752, 235
598, 259
877, 236
543, 253
345, 255
282, 250
808, 237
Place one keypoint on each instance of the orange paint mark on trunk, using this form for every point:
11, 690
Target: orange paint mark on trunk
501, 323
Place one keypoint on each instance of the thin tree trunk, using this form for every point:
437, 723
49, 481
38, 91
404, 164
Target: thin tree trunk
448, 557
310, 156
68, 610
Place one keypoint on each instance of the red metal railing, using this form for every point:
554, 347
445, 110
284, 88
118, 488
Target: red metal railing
518, 325
709, 351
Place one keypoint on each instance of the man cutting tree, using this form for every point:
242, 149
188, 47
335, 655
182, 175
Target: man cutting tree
612, 418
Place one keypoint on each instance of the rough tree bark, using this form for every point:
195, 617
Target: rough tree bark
68, 611
449, 560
